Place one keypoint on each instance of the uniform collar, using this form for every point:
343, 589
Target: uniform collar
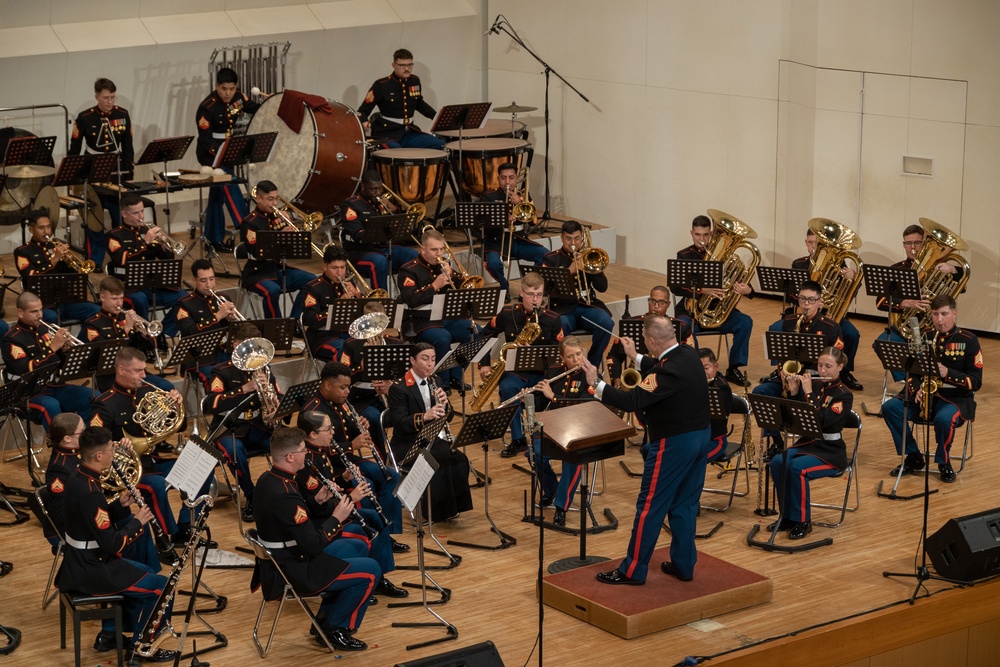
282, 473
40, 244
26, 327
67, 452
125, 390
395, 78
88, 471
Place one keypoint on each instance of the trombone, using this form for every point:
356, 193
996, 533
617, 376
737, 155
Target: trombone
466, 281
523, 213
417, 209
590, 260
310, 221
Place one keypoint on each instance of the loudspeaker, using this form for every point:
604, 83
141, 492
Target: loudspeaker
968, 547
478, 655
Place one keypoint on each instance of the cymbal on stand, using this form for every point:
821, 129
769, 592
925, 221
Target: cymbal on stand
514, 108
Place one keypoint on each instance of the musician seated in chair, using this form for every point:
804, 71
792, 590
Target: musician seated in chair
93, 563
720, 427
417, 400
135, 242
913, 241
808, 458
512, 321
658, 301
419, 280
319, 294
43, 256
500, 244
32, 344
113, 323
354, 541
200, 311
117, 409
351, 436
572, 311
297, 546
739, 324
265, 276
960, 366
369, 257
234, 394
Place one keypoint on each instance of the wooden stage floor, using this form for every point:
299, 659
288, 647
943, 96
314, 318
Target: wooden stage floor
494, 591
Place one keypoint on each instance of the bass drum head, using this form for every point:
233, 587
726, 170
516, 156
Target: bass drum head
320, 166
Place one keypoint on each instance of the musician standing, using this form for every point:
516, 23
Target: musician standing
264, 276
414, 401
297, 545
216, 117
104, 128
419, 280
658, 301
357, 211
28, 346
809, 458
585, 305
500, 240
739, 324
93, 562
398, 97
673, 399
960, 369
318, 296
40, 255
511, 321
202, 310
135, 242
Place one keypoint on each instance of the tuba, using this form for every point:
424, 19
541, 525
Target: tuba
158, 415
939, 242
526, 336
253, 355
835, 245
729, 234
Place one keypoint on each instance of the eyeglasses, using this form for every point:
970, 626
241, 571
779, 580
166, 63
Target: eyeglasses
912, 244
657, 302
809, 299
299, 451
325, 429
533, 295
404, 65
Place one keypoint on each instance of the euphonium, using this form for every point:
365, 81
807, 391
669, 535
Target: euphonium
729, 234
939, 242
158, 415
526, 336
835, 246
253, 355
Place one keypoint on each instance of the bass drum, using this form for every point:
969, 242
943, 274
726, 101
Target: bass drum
481, 158
318, 167
415, 174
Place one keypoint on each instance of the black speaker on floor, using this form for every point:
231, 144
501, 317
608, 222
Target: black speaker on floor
968, 547
478, 655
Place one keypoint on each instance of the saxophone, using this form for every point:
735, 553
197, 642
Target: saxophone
527, 336
153, 632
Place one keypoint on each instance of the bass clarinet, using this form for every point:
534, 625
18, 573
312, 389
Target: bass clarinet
337, 495
364, 431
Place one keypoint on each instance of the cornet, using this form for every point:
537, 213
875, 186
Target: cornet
145, 327
236, 316
53, 329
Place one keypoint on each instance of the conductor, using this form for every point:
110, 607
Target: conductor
673, 401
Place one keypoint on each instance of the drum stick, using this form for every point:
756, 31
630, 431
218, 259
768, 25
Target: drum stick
598, 325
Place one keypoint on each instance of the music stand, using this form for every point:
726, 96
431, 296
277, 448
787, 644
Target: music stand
280, 332
153, 275
390, 230
559, 282
894, 284
483, 427
461, 117
281, 246
296, 397
58, 288
694, 274
485, 215
528, 358
802, 347
789, 417
633, 329
105, 362
11, 396
198, 345
915, 362
471, 304
167, 149
781, 280
342, 312
84, 170
83, 361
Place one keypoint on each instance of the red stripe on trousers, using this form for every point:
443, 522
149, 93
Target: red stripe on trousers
640, 526
804, 484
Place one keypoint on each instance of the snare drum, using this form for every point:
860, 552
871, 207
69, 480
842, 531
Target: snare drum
492, 128
482, 157
320, 166
415, 174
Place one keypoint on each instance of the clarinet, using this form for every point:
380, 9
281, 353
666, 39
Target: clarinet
355, 514
163, 543
448, 410
375, 455
356, 473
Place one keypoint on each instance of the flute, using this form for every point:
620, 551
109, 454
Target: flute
355, 514
529, 390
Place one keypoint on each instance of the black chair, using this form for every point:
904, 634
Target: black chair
90, 608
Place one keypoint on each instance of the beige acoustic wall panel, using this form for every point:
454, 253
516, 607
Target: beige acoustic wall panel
980, 210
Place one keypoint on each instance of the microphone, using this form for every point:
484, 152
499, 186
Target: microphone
495, 28
918, 337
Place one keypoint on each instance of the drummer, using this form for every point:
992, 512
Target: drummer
371, 259
398, 96
498, 240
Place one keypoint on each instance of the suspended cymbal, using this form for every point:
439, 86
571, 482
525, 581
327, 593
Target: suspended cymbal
514, 108
29, 171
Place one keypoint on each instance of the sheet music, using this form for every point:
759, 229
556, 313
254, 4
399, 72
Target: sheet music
192, 468
411, 489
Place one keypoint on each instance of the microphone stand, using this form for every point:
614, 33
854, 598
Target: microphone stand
210, 438
506, 27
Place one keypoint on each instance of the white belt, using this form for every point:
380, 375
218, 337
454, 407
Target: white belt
277, 545
77, 544
831, 436
401, 121
218, 135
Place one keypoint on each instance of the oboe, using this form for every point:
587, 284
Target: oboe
358, 477
337, 495
364, 431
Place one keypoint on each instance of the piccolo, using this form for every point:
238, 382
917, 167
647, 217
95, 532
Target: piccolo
529, 390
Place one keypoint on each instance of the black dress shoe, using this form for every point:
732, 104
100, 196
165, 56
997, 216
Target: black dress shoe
947, 473
786, 524
911, 464
341, 639
160, 655
168, 557
514, 448
851, 382
669, 568
773, 377
547, 500
736, 376
559, 518
399, 547
247, 513
372, 600
800, 530
391, 590
615, 577
105, 641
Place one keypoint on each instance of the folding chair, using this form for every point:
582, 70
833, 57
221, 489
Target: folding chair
37, 503
851, 471
735, 449
967, 446
244, 296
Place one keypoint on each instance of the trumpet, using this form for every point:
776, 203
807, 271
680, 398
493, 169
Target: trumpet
74, 261
174, 246
145, 327
235, 317
53, 329
417, 209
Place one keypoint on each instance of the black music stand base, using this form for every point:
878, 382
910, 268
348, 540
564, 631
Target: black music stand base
892, 495
564, 564
697, 535
506, 541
